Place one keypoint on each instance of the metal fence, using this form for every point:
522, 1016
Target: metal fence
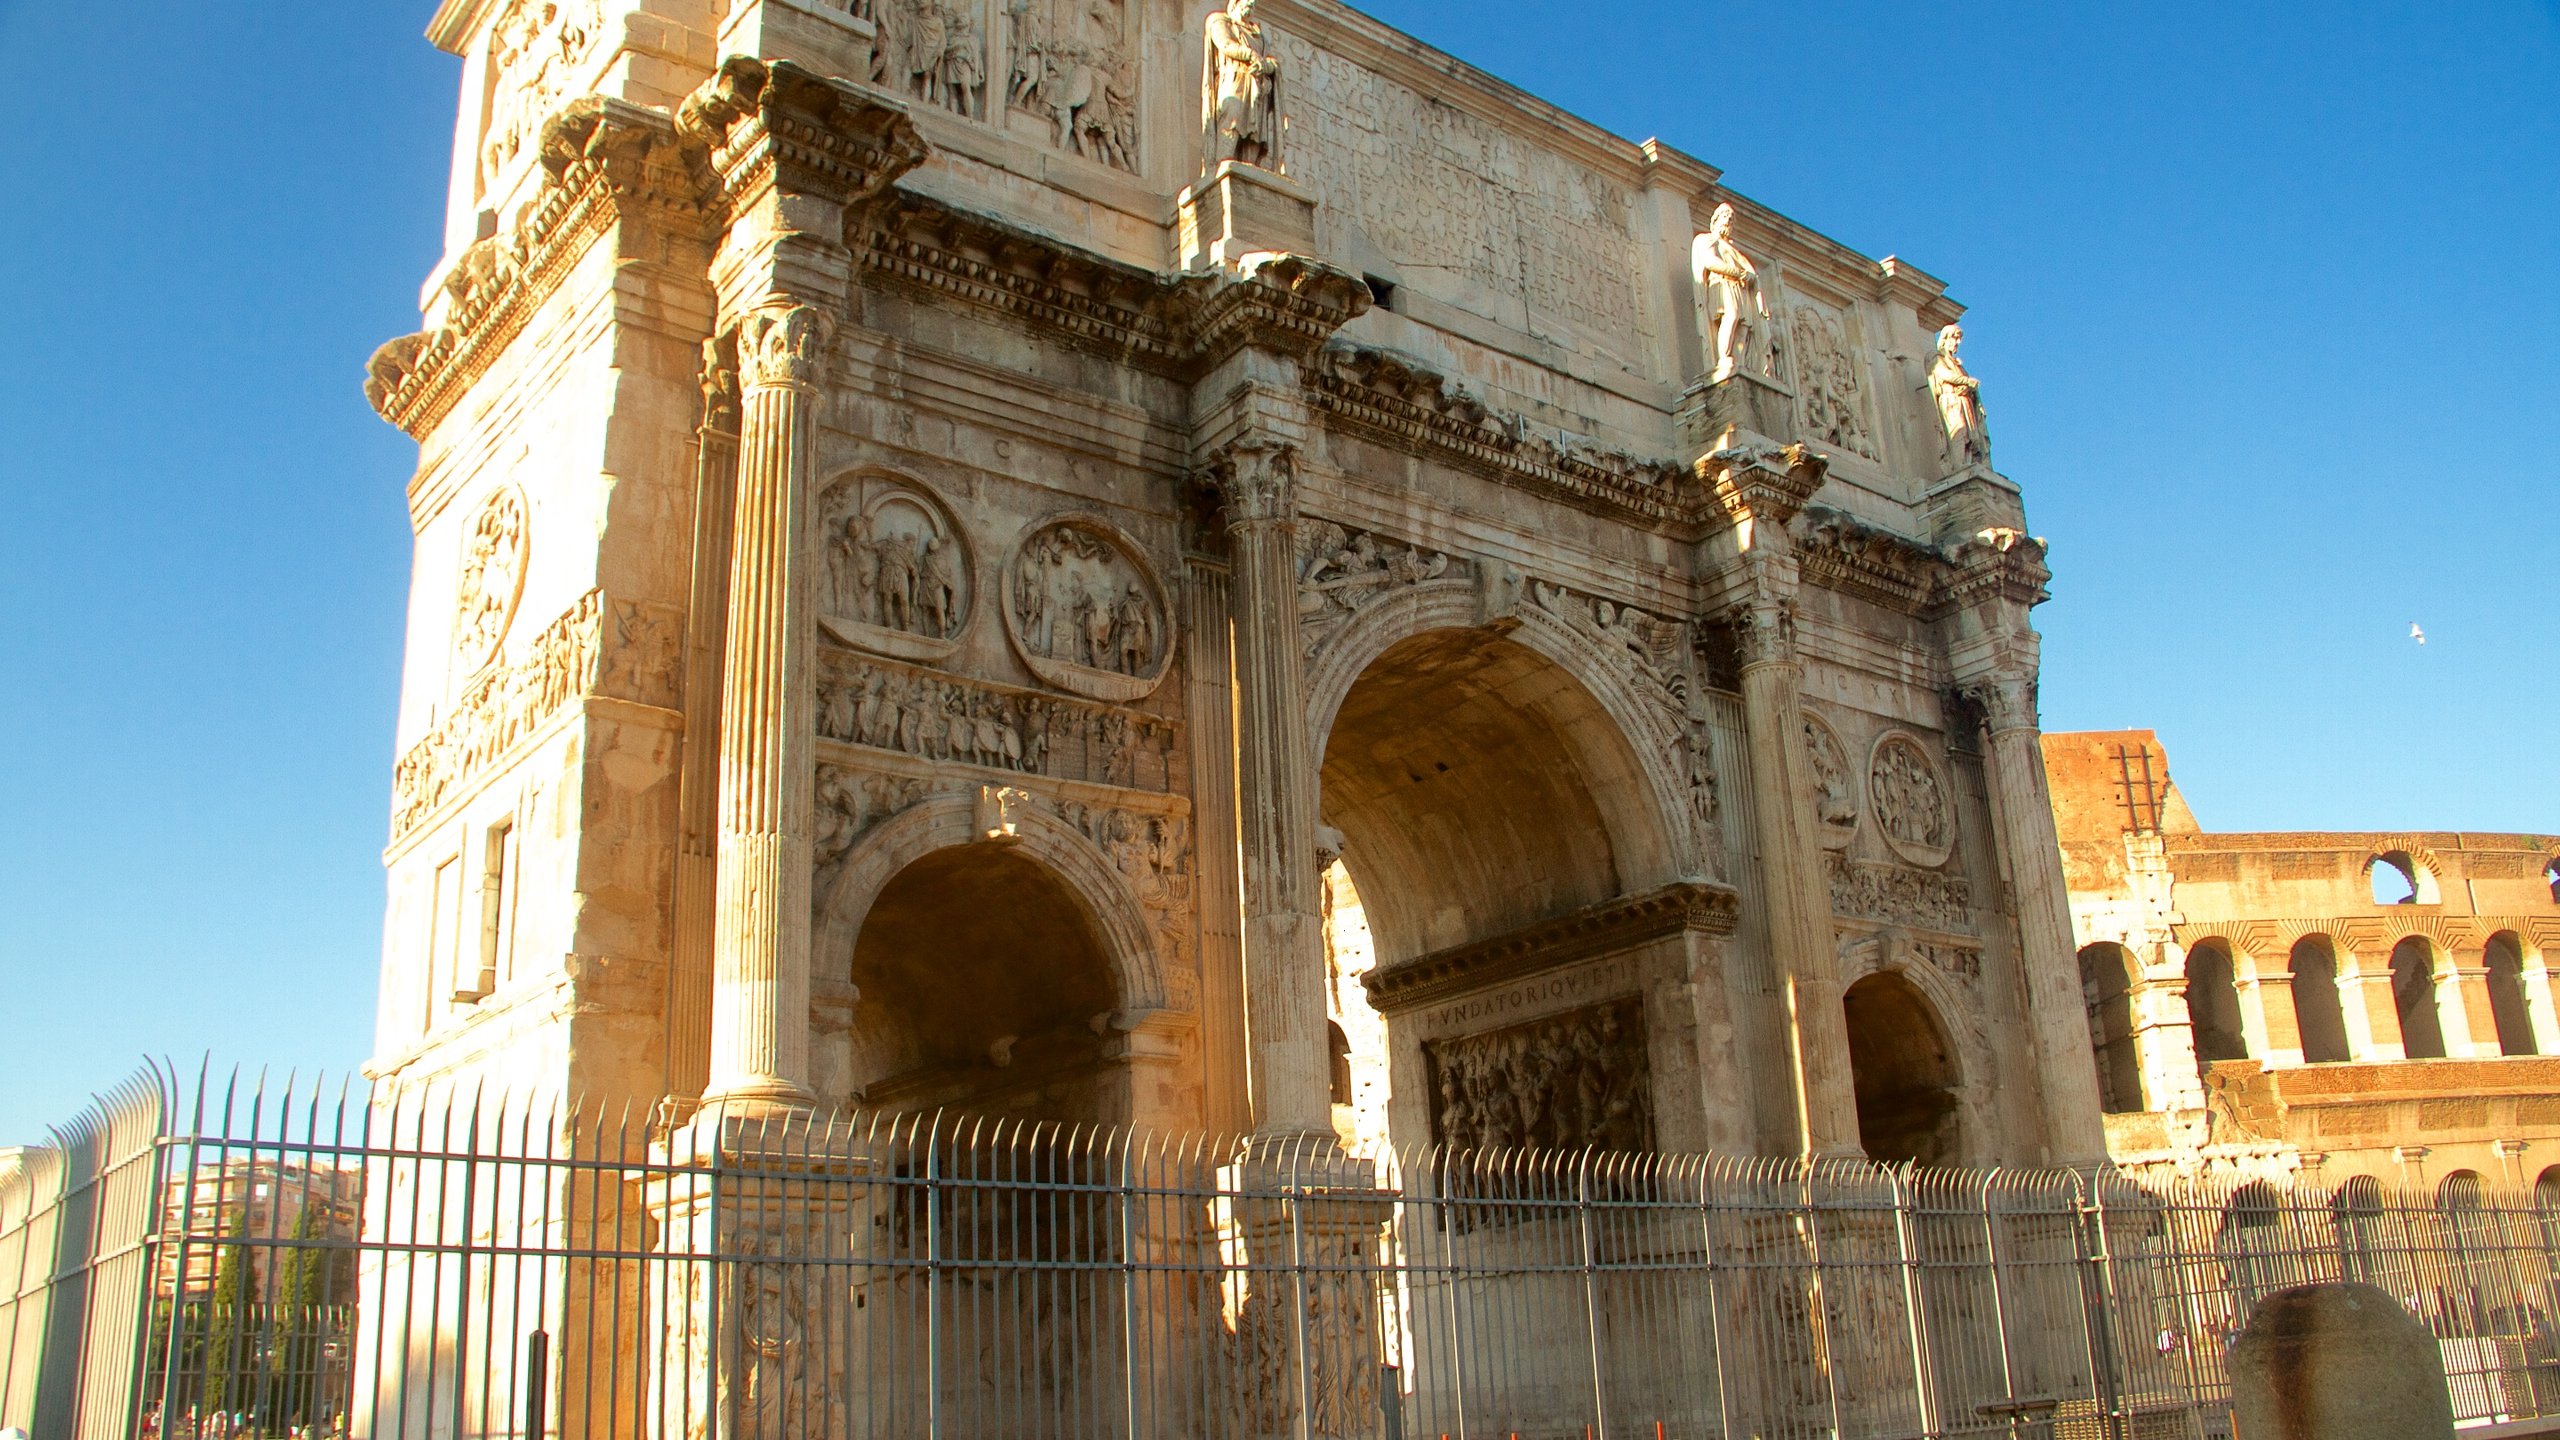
268, 1262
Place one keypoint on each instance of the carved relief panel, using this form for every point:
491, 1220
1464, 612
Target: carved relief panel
1835, 786
1085, 612
1567, 1081
491, 580
899, 579
1910, 801
536, 49
933, 53
1071, 67
1831, 383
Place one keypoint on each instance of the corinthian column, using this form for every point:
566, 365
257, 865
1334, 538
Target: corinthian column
1760, 488
1793, 879
2022, 809
760, 994
1275, 795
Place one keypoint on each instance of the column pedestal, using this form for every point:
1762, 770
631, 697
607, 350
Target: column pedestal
1308, 1220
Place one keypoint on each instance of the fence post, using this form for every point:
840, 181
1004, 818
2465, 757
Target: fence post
2097, 1299
933, 1281
1129, 1284
1590, 1295
1294, 1196
1923, 1374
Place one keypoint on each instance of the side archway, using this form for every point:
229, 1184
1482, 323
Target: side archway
987, 974
1905, 1072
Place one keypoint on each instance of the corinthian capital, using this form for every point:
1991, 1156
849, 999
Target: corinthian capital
783, 345
2007, 702
1764, 631
1255, 479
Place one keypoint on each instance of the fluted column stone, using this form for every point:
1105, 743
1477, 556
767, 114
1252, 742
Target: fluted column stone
2066, 1071
1276, 796
760, 999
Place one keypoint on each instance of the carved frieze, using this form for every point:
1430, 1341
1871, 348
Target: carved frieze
491, 578
1898, 895
899, 578
503, 705
1835, 785
1831, 386
896, 707
1565, 1082
1341, 572
1085, 611
1910, 800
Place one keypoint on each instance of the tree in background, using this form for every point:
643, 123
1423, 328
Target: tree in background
231, 1338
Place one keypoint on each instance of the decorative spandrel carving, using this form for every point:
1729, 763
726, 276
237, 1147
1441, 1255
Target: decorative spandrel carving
1072, 64
1341, 572
1831, 385
1647, 646
536, 49
1835, 785
1910, 801
932, 52
1899, 895
1239, 89
849, 805
1570, 1081
1959, 398
937, 718
1737, 314
1152, 852
1085, 613
491, 579
1864, 952
899, 578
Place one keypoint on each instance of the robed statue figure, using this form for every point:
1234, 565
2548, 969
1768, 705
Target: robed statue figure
1240, 90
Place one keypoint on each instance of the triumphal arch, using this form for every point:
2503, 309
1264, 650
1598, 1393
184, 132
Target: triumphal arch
1196, 569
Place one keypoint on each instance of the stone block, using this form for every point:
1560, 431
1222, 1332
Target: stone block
2339, 1362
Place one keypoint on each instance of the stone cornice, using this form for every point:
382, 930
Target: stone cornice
1837, 552
776, 124
1762, 483
605, 162
1176, 325
1595, 930
1419, 411
2361, 842
2007, 567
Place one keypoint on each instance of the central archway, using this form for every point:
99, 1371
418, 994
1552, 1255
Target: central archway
1480, 788
1501, 832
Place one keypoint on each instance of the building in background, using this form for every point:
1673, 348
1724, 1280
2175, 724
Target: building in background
2332, 1004
271, 1202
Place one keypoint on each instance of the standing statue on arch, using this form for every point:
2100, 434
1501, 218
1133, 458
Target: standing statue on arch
1959, 398
1240, 90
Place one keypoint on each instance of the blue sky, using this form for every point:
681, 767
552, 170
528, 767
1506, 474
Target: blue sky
2266, 308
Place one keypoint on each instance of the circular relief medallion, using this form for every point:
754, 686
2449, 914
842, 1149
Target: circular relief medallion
897, 578
1085, 613
1910, 800
493, 556
1835, 788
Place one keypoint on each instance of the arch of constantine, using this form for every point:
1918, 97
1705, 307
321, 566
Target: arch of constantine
1198, 570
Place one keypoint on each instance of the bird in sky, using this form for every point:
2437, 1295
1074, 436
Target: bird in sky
2417, 634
